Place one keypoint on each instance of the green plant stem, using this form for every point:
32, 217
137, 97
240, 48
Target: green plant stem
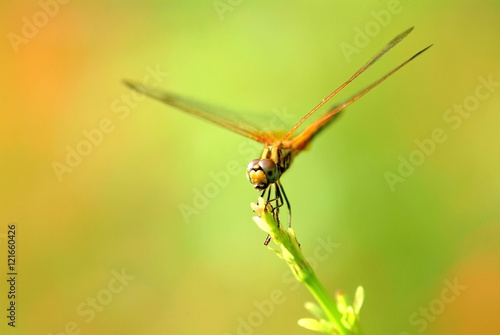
325, 301
292, 254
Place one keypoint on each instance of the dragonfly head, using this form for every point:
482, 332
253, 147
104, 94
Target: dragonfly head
261, 173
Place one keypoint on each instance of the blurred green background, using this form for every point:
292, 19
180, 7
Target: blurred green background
118, 209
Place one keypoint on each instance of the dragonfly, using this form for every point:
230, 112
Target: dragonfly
280, 147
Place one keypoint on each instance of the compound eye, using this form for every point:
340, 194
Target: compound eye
256, 175
270, 169
253, 165
261, 173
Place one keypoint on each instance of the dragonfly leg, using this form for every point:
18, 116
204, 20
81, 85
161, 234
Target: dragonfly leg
268, 190
279, 194
282, 191
279, 202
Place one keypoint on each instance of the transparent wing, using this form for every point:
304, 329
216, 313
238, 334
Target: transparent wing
246, 124
375, 58
301, 140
